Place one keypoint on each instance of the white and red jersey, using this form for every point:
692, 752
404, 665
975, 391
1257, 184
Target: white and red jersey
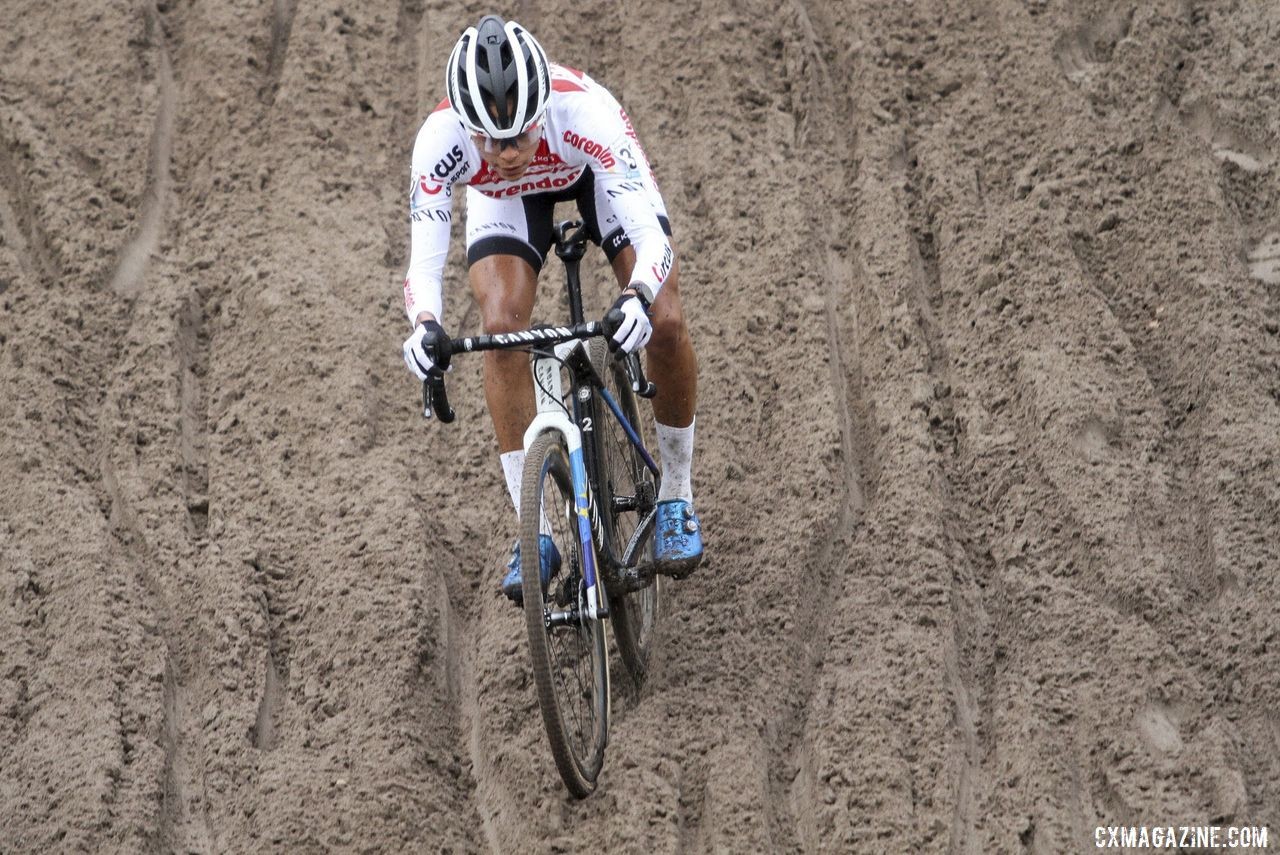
583, 128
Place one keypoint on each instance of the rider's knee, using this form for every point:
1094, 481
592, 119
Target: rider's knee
504, 287
667, 329
668, 326
504, 313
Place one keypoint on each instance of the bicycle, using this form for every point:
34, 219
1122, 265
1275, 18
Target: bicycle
590, 484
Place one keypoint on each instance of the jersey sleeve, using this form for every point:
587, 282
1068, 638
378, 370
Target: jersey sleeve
618, 166
439, 162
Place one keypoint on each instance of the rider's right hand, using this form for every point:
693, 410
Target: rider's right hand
421, 349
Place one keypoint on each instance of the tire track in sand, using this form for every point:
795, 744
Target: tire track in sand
19, 220
1000, 559
923, 79
103, 671
131, 266
192, 348
1087, 424
282, 15
1203, 324
817, 107
444, 614
899, 292
184, 820
448, 683
970, 623
1220, 115
170, 301
183, 823
176, 826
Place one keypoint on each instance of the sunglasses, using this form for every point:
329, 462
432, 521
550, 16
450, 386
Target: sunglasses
489, 145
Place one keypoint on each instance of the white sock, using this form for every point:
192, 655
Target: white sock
675, 446
513, 468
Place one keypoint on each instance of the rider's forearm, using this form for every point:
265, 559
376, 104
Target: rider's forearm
423, 289
654, 253
422, 297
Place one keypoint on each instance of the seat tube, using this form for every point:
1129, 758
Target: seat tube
574, 283
570, 247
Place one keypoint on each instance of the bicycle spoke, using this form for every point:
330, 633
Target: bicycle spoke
578, 695
582, 736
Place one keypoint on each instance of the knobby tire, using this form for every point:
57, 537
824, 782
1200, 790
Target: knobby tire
570, 663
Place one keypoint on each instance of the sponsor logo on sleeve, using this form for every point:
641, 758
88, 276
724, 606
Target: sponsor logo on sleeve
445, 173
661, 269
626, 121
445, 165
633, 172
426, 216
624, 187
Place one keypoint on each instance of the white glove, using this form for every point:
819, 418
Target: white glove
627, 324
419, 348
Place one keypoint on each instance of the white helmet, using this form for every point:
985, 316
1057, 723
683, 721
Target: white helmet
498, 79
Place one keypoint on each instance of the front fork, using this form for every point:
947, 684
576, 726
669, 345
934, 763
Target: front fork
552, 417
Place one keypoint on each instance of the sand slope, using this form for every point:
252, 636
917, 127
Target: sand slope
985, 297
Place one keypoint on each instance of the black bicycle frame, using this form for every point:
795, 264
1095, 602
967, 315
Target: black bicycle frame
571, 239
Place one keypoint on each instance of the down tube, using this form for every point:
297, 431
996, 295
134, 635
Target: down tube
582, 501
632, 436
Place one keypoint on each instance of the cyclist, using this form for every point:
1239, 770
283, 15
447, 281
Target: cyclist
521, 134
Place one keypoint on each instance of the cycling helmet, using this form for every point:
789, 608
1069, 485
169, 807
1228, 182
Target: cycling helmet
498, 66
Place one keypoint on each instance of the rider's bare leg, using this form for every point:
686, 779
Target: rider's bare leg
505, 287
674, 368
670, 359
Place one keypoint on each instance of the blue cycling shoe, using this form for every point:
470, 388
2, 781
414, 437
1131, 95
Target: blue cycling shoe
550, 567
678, 550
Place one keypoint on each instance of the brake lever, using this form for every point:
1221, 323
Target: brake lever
635, 373
436, 400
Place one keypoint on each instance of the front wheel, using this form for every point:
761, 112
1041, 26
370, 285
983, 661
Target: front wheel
568, 648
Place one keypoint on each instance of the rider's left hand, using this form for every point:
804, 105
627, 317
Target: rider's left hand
627, 324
